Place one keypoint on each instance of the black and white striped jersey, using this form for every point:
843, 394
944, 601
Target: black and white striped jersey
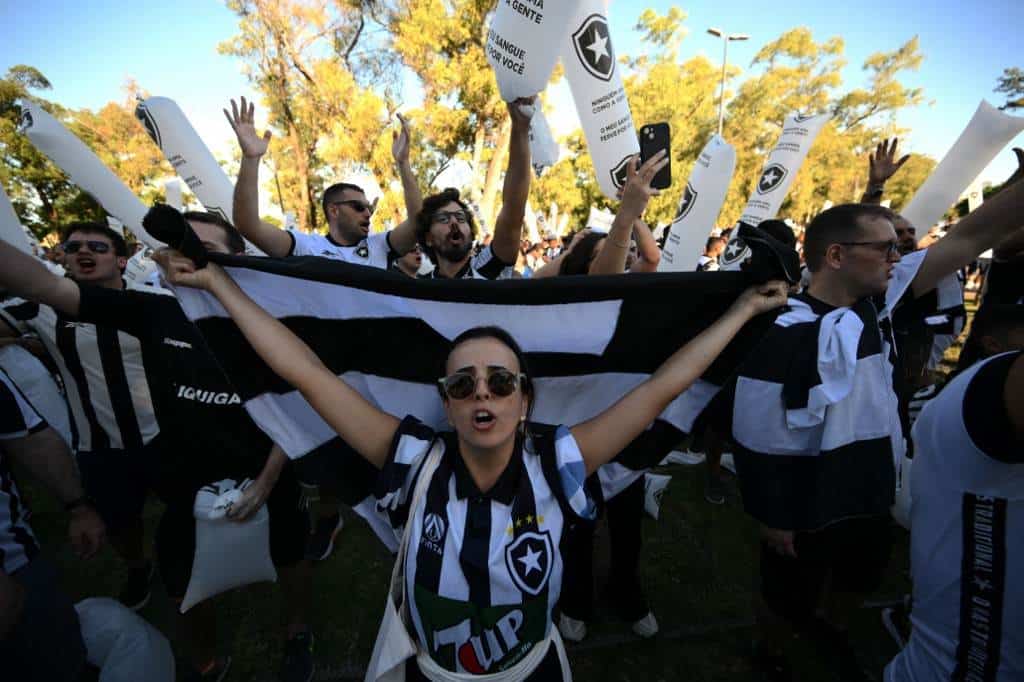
815, 415
483, 570
104, 378
967, 535
17, 419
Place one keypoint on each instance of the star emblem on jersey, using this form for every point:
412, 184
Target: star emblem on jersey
433, 528
619, 173
593, 45
362, 251
771, 177
686, 203
529, 561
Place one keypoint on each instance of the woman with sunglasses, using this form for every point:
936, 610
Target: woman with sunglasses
483, 568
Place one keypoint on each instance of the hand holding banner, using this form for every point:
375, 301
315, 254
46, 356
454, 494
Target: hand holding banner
84, 168
600, 97
988, 132
699, 207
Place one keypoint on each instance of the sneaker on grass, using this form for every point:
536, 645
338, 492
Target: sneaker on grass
646, 626
571, 629
321, 540
298, 665
135, 592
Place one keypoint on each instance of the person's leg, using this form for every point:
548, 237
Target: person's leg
175, 548
289, 528
625, 534
576, 602
118, 487
46, 645
714, 487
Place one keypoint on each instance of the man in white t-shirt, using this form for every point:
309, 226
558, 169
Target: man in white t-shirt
345, 206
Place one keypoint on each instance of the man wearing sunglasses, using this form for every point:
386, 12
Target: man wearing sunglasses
815, 419
345, 206
155, 413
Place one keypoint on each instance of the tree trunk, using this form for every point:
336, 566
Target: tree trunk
488, 199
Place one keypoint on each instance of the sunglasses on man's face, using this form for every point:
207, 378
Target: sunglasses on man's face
356, 205
500, 382
887, 247
94, 246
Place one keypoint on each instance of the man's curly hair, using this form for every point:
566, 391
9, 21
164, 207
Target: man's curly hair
425, 218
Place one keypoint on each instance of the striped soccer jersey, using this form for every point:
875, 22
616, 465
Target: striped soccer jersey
374, 251
815, 415
967, 535
104, 378
17, 419
483, 570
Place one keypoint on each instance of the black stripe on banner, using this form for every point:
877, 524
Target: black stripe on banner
68, 347
982, 589
117, 386
807, 493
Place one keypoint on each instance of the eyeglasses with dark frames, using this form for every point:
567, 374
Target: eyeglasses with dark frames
355, 205
446, 217
889, 247
500, 382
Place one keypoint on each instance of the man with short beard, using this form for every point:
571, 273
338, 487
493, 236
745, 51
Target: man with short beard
445, 228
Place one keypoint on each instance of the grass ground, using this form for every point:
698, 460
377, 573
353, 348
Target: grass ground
698, 567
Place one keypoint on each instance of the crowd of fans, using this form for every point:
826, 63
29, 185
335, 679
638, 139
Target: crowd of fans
143, 409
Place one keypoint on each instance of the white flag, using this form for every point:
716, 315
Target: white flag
600, 98
699, 206
85, 169
988, 132
524, 41
181, 145
798, 134
11, 230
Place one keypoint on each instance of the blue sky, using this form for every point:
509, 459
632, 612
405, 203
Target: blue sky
88, 50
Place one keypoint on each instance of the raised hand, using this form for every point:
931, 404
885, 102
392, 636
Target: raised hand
882, 164
637, 191
400, 141
522, 111
241, 120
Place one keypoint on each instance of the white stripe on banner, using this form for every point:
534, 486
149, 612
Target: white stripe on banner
699, 206
84, 168
601, 103
987, 133
328, 301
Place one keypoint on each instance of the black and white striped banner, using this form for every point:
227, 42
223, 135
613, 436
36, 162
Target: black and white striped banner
588, 340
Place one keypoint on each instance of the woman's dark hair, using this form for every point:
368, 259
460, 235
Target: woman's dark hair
425, 218
578, 260
503, 337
